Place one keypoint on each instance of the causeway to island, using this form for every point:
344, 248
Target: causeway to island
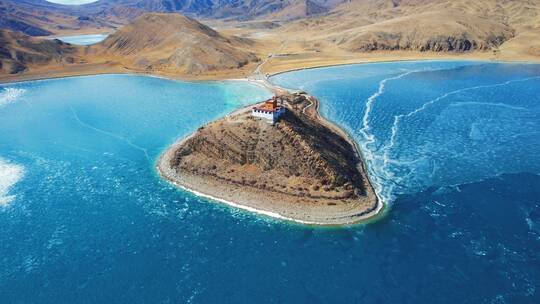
278, 158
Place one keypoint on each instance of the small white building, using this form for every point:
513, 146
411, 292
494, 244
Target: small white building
270, 110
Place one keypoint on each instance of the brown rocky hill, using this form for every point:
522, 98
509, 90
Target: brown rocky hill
297, 156
176, 44
431, 31
301, 168
19, 51
420, 25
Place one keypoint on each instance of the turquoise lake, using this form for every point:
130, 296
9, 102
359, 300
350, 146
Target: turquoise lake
83, 39
452, 146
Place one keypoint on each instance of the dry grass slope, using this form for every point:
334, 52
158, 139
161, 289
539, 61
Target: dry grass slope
420, 25
175, 43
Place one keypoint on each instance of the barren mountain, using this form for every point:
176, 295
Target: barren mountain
352, 26
243, 9
42, 18
300, 33
422, 25
176, 44
19, 51
157, 43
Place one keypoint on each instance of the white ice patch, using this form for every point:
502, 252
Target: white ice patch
9, 95
380, 175
384, 171
10, 174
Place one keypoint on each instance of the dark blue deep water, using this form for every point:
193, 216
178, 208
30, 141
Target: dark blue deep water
453, 147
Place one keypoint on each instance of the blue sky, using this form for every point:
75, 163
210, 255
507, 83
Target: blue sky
72, 1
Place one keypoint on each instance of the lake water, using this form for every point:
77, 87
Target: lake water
83, 39
452, 146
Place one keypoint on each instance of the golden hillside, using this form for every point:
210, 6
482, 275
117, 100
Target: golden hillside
175, 44
353, 31
436, 25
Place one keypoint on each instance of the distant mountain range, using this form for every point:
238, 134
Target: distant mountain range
242, 9
152, 35
41, 18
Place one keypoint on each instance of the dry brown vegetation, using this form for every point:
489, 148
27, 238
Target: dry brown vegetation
297, 156
419, 25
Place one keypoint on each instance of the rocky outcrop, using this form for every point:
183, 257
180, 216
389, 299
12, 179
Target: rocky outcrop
435, 43
298, 156
301, 168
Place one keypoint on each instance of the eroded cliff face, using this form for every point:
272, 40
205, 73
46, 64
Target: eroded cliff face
297, 156
438, 43
441, 26
448, 31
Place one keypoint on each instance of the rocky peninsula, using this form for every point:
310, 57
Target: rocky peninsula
301, 168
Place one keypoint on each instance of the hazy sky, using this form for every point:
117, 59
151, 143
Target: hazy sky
72, 1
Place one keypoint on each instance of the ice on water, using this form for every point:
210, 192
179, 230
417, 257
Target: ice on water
10, 174
88, 211
9, 95
423, 124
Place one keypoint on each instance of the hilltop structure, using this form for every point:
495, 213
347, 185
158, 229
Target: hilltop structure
270, 110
